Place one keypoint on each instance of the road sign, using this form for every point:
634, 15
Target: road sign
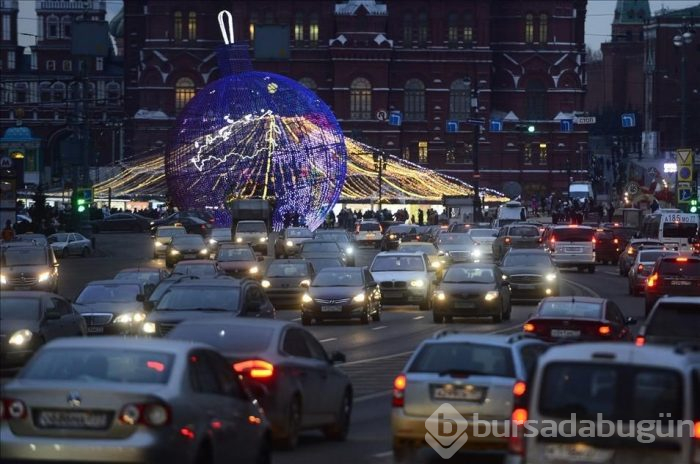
685, 192
496, 125
566, 125
86, 194
584, 120
684, 161
381, 115
452, 126
395, 118
629, 120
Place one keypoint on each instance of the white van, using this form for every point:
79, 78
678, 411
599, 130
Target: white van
512, 211
674, 229
580, 190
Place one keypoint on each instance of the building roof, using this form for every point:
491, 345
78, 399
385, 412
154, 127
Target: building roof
116, 25
693, 11
353, 7
631, 11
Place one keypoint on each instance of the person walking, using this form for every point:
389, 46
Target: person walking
8, 233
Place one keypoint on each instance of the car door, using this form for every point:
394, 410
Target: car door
309, 374
617, 320
332, 383
51, 328
67, 325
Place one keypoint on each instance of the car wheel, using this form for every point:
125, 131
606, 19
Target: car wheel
424, 306
338, 431
377, 316
305, 320
291, 438
437, 318
498, 317
591, 269
264, 453
86, 252
364, 318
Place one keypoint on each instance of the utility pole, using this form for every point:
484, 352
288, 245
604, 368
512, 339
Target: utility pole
477, 174
379, 166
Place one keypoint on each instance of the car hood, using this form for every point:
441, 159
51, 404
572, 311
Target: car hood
236, 265
388, 276
175, 317
33, 269
10, 326
106, 307
286, 282
457, 247
466, 288
334, 293
188, 250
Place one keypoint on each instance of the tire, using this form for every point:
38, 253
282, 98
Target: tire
338, 431
305, 320
291, 438
86, 252
264, 453
425, 305
364, 318
437, 318
499, 317
591, 269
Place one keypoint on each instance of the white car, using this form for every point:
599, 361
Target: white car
481, 241
404, 278
65, 244
368, 232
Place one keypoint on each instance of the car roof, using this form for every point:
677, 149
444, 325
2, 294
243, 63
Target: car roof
341, 269
449, 336
397, 253
118, 342
196, 262
25, 294
621, 353
575, 299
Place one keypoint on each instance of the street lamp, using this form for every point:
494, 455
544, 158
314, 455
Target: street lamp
380, 166
473, 99
680, 41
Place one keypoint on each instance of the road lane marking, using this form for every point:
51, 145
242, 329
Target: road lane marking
296, 319
588, 290
379, 328
380, 358
325, 340
372, 396
385, 454
611, 273
418, 318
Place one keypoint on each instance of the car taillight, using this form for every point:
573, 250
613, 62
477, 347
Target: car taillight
397, 398
681, 260
516, 442
696, 443
529, 327
11, 408
254, 368
519, 389
604, 330
640, 268
150, 414
616, 241
651, 281
507, 240
639, 341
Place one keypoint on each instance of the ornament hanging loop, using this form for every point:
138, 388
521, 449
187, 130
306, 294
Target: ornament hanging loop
226, 34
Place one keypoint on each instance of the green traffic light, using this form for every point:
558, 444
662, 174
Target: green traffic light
531, 129
81, 208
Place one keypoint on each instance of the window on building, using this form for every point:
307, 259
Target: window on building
251, 25
308, 83
45, 92
536, 94
6, 93
543, 153
423, 28
459, 100
423, 152
99, 63
11, 60
414, 100
313, 28
360, 99
299, 27
113, 92
529, 29
58, 92
406, 153
450, 155
21, 92
50, 65
468, 31
527, 154
52, 27
6, 31
192, 25
67, 65
184, 91
177, 26
65, 27
543, 28
452, 29
407, 29
33, 61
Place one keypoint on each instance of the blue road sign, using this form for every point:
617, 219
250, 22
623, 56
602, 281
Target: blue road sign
452, 126
395, 118
685, 194
629, 120
496, 125
567, 125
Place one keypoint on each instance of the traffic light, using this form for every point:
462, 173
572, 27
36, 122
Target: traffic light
81, 205
531, 129
694, 205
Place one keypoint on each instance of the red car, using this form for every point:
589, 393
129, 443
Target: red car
607, 246
573, 318
672, 276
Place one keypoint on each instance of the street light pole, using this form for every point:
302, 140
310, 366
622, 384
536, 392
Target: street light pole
680, 41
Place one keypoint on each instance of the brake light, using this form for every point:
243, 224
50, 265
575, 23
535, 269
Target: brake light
507, 240
681, 260
616, 241
651, 281
11, 408
397, 399
187, 433
696, 431
640, 268
593, 241
604, 330
639, 341
529, 327
519, 416
516, 442
519, 388
149, 414
255, 369
696, 443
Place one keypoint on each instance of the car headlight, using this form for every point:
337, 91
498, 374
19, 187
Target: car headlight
263, 239
3, 279
239, 240
149, 327
417, 283
359, 298
254, 270
392, 236
435, 264
504, 277
20, 337
305, 282
349, 250
476, 253
306, 298
152, 223
491, 295
44, 276
440, 295
128, 318
289, 243
174, 252
550, 277
265, 284
212, 241
203, 251
159, 245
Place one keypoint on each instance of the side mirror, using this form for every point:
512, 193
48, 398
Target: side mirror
337, 357
148, 305
52, 315
141, 297
630, 321
304, 284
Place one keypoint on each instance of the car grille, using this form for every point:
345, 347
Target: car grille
165, 328
393, 284
525, 279
467, 296
459, 255
98, 318
332, 302
22, 280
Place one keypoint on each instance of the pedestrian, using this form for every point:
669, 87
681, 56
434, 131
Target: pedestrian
8, 233
420, 217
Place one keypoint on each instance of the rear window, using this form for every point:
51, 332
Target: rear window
675, 320
673, 268
465, 358
287, 270
573, 235
652, 256
568, 309
614, 391
369, 226
679, 229
228, 339
108, 293
524, 231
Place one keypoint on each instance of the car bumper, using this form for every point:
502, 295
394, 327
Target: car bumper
533, 292
45, 285
467, 308
12, 360
572, 260
285, 298
347, 311
403, 296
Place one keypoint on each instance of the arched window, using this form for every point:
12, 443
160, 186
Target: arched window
113, 92
543, 28
468, 31
407, 29
452, 29
251, 25
529, 29
308, 83
65, 27
299, 27
52, 27
177, 25
184, 91
58, 92
422, 28
459, 100
414, 100
360, 99
536, 93
21, 92
192, 25
313, 28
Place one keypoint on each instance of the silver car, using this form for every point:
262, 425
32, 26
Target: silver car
404, 278
65, 244
641, 269
109, 399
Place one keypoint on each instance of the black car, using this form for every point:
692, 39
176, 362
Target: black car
192, 224
181, 216
530, 273
672, 276
282, 281
30, 319
112, 307
322, 249
26, 266
150, 276
472, 290
345, 240
342, 293
164, 285
318, 264
201, 299
673, 320
121, 222
398, 233
188, 246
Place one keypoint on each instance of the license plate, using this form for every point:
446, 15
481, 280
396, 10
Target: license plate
525, 286
573, 249
458, 393
681, 282
370, 235
190, 256
465, 305
579, 452
561, 333
72, 420
331, 308
388, 294
95, 329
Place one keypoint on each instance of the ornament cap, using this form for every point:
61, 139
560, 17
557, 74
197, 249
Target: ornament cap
233, 59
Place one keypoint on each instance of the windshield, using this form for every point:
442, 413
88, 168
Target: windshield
161, 289
427, 248
25, 256
469, 275
95, 364
369, 227
336, 237
287, 270
320, 247
194, 241
55, 238
171, 232
465, 359
26, 309
680, 229
522, 231
251, 227
235, 254
322, 263
228, 338
199, 270
483, 233
108, 293
617, 392
652, 256
675, 320
142, 276
399, 230
567, 309
198, 298
338, 278
453, 239
221, 234
398, 263
299, 233
527, 259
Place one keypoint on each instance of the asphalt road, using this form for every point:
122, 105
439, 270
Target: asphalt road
375, 353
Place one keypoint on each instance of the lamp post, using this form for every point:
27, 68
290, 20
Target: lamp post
115, 126
473, 102
380, 166
680, 41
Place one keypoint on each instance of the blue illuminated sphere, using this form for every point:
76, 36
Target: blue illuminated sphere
257, 135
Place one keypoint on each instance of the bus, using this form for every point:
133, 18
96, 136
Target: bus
675, 229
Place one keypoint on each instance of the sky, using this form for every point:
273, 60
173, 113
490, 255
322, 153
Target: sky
598, 17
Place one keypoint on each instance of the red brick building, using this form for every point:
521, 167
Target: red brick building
516, 63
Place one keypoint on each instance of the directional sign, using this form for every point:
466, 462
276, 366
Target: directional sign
395, 118
452, 126
685, 192
629, 120
496, 125
566, 125
584, 120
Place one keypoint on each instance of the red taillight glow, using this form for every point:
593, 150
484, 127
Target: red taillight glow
155, 365
12, 409
254, 420
507, 240
651, 281
519, 388
397, 399
639, 341
529, 327
640, 268
593, 241
604, 330
255, 369
696, 431
519, 416
681, 260
187, 433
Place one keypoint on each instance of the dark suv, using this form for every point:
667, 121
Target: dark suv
673, 276
518, 235
26, 266
674, 319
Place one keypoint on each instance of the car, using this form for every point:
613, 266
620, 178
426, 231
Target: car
368, 232
455, 247
192, 220
472, 290
296, 381
130, 401
238, 260
37, 239
112, 307
607, 384
341, 293
282, 281
426, 233
673, 276
154, 297
626, 258
575, 318
201, 299
404, 278
318, 264
430, 250
121, 222
607, 246
342, 238
70, 244
474, 373
254, 233
459, 228
219, 236
204, 268
31, 319
515, 236
672, 320
482, 242
641, 268
188, 246
150, 276
322, 249
288, 241
572, 246
531, 274
162, 237
396, 234
25, 266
